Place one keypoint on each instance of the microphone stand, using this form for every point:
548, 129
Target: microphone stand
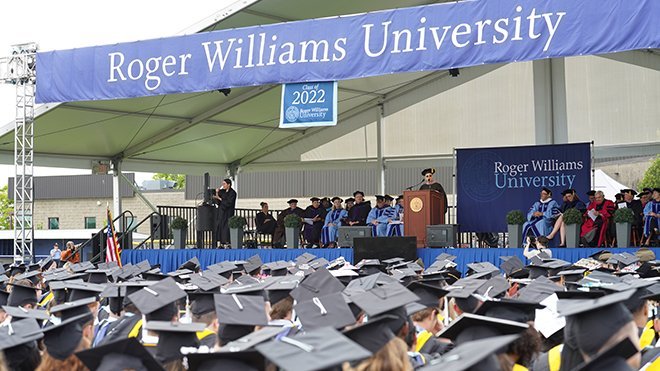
413, 186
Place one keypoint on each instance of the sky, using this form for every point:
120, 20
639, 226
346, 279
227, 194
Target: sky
77, 23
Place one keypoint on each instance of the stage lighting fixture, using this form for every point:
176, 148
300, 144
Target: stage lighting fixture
454, 72
226, 91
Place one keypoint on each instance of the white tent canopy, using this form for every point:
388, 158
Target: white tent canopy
609, 186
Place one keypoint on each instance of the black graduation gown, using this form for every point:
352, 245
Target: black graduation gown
120, 329
312, 232
278, 236
262, 226
227, 208
359, 212
436, 187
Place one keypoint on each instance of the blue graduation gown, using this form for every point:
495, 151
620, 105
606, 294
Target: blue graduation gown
394, 230
376, 214
541, 225
329, 233
651, 222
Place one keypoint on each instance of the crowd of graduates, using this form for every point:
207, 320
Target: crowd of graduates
545, 217
598, 313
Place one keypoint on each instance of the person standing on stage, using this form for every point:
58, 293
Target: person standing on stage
225, 198
430, 183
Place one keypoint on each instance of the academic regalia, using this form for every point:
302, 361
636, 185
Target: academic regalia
359, 212
265, 223
376, 214
312, 232
651, 222
436, 187
207, 337
329, 233
129, 325
278, 236
575, 204
541, 225
227, 209
396, 229
606, 208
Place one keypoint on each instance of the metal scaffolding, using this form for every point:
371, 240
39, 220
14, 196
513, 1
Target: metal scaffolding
19, 69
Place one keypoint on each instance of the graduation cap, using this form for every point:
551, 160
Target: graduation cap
19, 332
305, 258
62, 275
119, 355
279, 289
253, 264
494, 287
513, 267
192, 264
428, 171
72, 309
314, 350
509, 309
107, 265
33, 276
469, 327
63, 339
319, 283
596, 320
329, 310
538, 290
223, 268
483, 267
591, 193
207, 280
568, 191
372, 335
157, 296
80, 290
623, 259
350, 199
464, 288
278, 268
628, 190
45, 263
358, 193
429, 295
336, 198
251, 340
384, 298
579, 294
201, 303
82, 266
246, 285
20, 312
318, 263
472, 353
602, 255
292, 201
98, 276
172, 336
315, 199
613, 358
21, 295
179, 275
235, 309
226, 361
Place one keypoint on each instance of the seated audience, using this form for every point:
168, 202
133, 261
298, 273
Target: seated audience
357, 214
265, 221
651, 217
314, 216
278, 235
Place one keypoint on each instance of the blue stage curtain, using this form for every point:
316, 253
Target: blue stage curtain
170, 260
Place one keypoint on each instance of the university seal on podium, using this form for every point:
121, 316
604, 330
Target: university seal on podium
416, 204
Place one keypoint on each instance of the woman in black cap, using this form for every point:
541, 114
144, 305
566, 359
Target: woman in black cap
430, 183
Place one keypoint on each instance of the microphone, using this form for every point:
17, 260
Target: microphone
413, 186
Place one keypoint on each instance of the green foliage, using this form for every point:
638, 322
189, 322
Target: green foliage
292, 221
624, 215
179, 179
179, 223
515, 217
651, 177
237, 222
572, 216
6, 209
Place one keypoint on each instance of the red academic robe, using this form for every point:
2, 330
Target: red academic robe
606, 209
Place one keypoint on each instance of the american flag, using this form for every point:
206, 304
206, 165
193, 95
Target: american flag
112, 248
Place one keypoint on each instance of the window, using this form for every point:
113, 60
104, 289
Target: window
53, 223
90, 222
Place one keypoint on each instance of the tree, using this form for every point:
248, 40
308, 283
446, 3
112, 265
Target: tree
651, 177
178, 179
6, 209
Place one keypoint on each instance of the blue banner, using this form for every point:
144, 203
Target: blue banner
309, 104
433, 37
493, 181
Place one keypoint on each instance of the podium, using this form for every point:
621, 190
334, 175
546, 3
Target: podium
422, 208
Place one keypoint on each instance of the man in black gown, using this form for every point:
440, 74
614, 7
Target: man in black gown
357, 214
278, 237
225, 198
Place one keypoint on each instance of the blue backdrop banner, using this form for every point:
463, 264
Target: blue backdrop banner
425, 38
493, 181
309, 104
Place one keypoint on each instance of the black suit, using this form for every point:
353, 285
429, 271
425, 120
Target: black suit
226, 209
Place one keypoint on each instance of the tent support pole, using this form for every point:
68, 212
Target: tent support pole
116, 193
379, 148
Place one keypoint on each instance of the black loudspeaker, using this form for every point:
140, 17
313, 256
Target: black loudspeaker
204, 218
383, 248
97, 244
441, 235
346, 234
158, 225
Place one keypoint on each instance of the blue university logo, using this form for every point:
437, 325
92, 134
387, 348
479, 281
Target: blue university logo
292, 113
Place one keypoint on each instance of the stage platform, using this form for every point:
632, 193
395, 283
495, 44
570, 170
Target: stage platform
170, 260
